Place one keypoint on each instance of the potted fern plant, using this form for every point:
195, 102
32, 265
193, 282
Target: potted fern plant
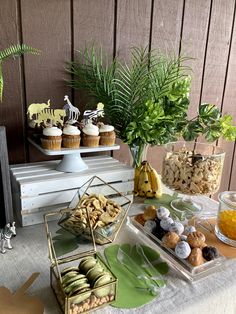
147, 100
13, 52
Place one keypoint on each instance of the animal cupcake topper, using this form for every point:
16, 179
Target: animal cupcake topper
35, 109
72, 112
42, 113
94, 114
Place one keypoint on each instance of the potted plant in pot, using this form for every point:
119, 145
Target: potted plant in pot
147, 100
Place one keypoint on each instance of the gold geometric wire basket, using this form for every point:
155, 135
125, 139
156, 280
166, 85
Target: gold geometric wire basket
93, 292
90, 208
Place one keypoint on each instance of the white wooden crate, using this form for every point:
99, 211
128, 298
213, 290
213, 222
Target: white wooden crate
38, 188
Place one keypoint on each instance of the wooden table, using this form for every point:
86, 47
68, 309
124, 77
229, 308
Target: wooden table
216, 294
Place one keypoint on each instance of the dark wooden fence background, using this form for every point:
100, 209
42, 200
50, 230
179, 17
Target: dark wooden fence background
203, 29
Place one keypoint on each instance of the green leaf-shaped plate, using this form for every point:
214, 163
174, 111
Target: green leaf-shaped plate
132, 291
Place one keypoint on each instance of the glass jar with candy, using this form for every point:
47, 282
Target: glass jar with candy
226, 221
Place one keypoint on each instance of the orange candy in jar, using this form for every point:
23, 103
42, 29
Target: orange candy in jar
226, 223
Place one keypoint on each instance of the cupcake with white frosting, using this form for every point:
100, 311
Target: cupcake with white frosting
51, 138
70, 136
90, 135
107, 135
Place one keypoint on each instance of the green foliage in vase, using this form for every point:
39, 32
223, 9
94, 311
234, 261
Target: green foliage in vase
147, 100
211, 124
123, 88
13, 52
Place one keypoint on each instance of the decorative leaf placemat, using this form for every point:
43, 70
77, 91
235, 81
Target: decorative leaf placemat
139, 270
64, 242
186, 211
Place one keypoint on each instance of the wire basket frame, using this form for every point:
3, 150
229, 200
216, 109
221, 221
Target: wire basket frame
82, 226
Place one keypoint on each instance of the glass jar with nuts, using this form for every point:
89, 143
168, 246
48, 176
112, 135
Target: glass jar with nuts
192, 168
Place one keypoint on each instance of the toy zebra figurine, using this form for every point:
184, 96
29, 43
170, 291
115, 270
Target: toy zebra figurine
5, 236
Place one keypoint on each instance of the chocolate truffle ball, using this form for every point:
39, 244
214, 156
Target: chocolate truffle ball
210, 252
166, 222
170, 240
176, 227
196, 258
182, 249
196, 239
163, 212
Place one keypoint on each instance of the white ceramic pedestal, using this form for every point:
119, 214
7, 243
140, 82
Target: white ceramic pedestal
72, 161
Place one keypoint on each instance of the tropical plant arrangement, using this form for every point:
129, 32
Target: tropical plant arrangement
13, 52
147, 100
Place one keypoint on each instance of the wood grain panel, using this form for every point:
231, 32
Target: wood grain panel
46, 26
6, 211
11, 109
93, 25
166, 35
217, 51
133, 29
229, 107
133, 26
167, 21
194, 36
216, 65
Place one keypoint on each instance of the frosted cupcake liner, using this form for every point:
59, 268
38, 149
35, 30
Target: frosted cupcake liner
91, 141
51, 144
71, 141
107, 140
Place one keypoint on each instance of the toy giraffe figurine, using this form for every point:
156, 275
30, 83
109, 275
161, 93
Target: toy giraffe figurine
73, 111
5, 236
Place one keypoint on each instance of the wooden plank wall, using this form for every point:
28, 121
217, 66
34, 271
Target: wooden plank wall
202, 29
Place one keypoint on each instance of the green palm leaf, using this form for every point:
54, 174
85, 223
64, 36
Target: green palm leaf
125, 88
17, 50
1, 82
12, 52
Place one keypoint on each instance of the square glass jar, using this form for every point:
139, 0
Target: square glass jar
77, 289
79, 218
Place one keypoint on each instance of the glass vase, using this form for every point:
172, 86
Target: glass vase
138, 153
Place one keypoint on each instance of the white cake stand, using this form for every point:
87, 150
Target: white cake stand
72, 161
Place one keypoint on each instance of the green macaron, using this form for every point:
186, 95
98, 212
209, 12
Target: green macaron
87, 264
68, 269
68, 280
100, 282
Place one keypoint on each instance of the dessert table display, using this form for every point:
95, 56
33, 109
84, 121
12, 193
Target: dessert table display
211, 294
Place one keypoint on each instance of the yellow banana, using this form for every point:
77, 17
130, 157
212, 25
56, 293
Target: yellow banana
155, 182
146, 184
136, 179
146, 181
141, 179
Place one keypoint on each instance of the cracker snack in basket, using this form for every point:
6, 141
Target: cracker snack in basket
96, 210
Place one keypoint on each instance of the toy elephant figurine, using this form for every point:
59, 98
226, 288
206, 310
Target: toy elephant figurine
5, 236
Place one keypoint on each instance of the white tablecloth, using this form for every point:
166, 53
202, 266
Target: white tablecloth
214, 294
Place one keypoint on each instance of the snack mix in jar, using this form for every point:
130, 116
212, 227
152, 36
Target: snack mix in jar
193, 168
226, 222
